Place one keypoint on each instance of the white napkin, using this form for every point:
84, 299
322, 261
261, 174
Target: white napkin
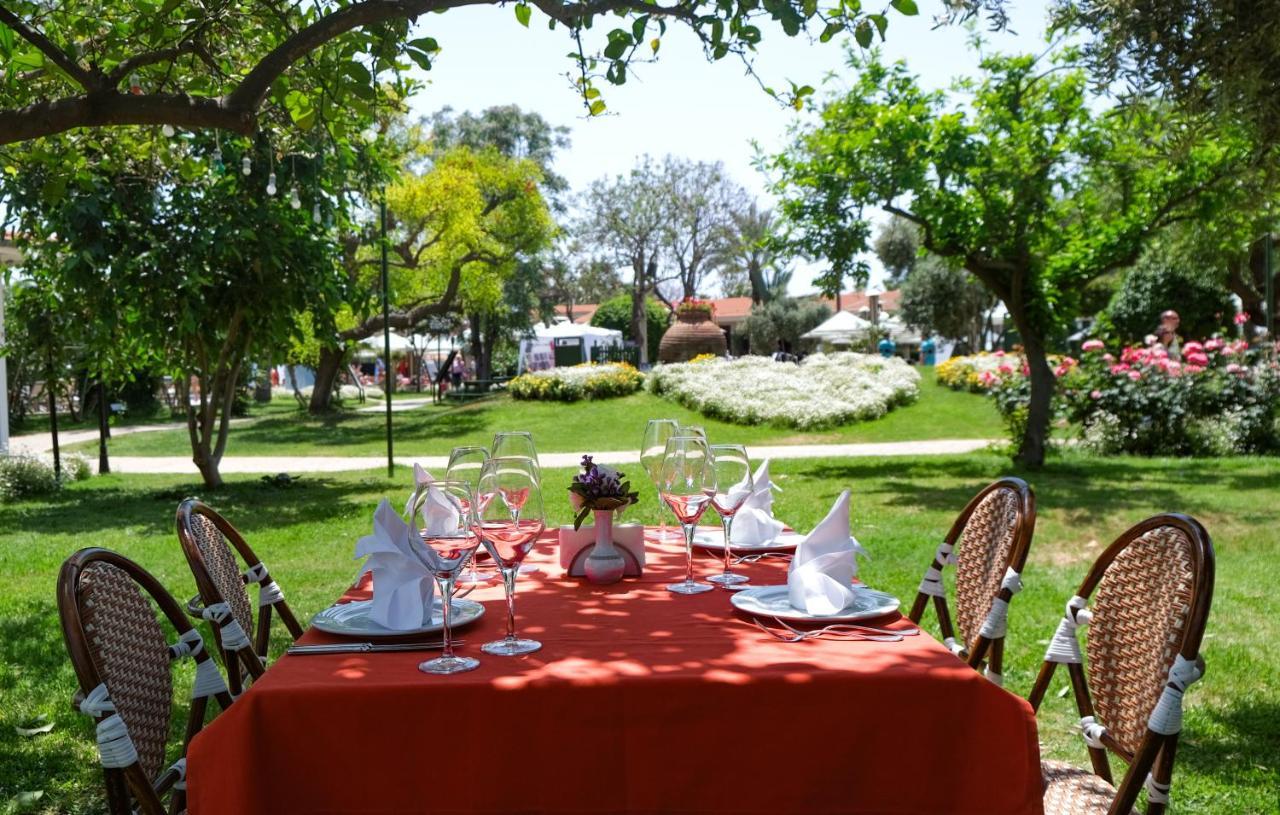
421, 478
824, 565
754, 524
398, 560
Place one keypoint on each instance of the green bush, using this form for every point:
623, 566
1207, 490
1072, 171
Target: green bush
1160, 281
783, 319
26, 477
615, 313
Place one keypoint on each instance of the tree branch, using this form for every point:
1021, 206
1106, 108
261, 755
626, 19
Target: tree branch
55, 54
110, 107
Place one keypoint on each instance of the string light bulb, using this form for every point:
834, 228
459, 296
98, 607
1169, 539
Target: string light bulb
271, 183
135, 86
294, 200
246, 165
168, 131
315, 212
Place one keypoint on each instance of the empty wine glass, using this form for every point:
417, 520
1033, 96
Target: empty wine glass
466, 464
509, 520
516, 444
732, 487
688, 476
695, 430
652, 450
451, 540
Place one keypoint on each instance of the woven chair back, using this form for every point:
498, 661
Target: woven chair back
130, 653
1141, 611
218, 561
983, 554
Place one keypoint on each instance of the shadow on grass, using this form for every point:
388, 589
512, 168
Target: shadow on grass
1240, 747
350, 429
248, 504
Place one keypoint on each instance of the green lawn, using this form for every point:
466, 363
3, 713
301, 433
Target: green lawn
1228, 761
612, 424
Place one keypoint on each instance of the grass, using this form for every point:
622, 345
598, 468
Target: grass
1229, 757
612, 424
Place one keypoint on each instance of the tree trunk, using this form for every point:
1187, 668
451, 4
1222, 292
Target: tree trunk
759, 289
1035, 436
327, 371
639, 319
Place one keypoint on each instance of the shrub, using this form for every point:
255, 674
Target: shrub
783, 319
821, 391
1222, 398
75, 467
976, 373
1162, 280
615, 313
586, 381
26, 477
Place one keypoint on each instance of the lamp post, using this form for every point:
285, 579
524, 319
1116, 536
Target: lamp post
388, 384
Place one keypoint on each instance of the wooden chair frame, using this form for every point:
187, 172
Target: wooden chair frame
981, 648
122, 783
246, 660
1155, 754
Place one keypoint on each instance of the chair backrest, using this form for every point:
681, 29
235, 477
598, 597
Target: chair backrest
214, 550
988, 544
123, 661
1151, 591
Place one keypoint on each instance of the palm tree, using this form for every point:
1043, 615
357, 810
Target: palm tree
750, 254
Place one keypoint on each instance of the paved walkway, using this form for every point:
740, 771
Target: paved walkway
333, 464
34, 444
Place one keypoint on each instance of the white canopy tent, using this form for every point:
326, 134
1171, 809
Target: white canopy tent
842, 328
539, 351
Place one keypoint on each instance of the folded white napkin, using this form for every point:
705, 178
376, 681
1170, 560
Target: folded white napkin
421, 478
401, 567
754, 524
824, 565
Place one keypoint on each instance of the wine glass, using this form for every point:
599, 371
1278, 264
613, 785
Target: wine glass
516, 444
695, 430
652, 450
449, 546
465, 464
688, 475
732, 487
509, 520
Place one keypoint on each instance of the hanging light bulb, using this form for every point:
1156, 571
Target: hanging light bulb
167, 130
315, 212
219, 166
135, 87
271, 184
294, 200
246, 165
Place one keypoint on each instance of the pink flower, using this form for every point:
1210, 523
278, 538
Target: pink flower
1193, 347
1235, 368
1070, 362
999, 353
1092, 345
1242, 318
1135, 375
1194, 369
1108, 358
1119, 369
1160, 352
1061, 371
1095, 395
1198, 359
1213, 344
987, 378
1005, 368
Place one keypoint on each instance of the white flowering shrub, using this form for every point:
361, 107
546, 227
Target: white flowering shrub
823, 390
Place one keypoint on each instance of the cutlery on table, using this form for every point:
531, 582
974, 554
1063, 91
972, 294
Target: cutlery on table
365, 647
839, 631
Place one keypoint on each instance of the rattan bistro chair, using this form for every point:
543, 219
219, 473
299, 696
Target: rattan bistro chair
1151, 592
988, 545
223, 597
123, 662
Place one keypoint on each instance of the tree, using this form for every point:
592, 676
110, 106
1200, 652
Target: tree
1166, 279
228, 65
625, 218
783, 319
513, 132
701, 203
897, 245
939, 296
457, 232
616, 314
196, 271
751, 263
1031, 189
1205, 54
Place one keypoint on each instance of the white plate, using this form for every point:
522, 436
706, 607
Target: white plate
772, 601
714, 541
352, 619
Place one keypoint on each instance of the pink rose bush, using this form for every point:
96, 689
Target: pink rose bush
1221, 398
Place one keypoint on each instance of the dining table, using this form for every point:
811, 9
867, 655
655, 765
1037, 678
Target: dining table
640, 701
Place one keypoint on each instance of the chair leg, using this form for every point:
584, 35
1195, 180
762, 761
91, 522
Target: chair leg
1041, 686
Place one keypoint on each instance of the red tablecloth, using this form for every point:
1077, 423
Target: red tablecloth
641, 701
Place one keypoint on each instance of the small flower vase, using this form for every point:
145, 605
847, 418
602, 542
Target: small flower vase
604, 562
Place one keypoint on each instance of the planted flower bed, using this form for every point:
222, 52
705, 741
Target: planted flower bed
587, 381
822, 391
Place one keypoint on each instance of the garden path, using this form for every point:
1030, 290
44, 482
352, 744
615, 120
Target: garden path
330, 464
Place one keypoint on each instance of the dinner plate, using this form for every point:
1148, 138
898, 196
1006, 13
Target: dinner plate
714, 541
772, 601
352, 619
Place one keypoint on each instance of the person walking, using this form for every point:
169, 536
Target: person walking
456, 370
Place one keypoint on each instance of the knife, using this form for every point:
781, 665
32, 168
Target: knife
365, 647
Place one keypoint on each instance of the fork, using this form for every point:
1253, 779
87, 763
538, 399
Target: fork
753, 558
793, 635
840, 629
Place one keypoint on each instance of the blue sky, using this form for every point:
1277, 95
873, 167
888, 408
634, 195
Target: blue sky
681, 104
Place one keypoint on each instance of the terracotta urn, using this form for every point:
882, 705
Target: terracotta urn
694, 333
